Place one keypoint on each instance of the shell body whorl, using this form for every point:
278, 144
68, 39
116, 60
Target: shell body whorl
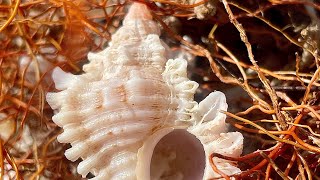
129, 97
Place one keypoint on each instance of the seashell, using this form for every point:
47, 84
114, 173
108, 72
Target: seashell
205, 10
202, 10
6, 126
132, 115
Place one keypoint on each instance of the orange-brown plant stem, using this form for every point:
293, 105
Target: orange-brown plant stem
215, 168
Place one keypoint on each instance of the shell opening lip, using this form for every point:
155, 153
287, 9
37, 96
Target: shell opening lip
175, 155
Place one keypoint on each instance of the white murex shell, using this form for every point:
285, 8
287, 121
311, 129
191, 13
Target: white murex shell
131, 115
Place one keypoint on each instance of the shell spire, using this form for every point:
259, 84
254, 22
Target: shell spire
138, 11
139, 17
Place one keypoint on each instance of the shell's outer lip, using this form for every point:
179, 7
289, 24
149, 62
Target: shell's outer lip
179, 155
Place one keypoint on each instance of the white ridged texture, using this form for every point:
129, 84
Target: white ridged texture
129, 98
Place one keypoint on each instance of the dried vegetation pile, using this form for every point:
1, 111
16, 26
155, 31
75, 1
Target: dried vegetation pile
262, 54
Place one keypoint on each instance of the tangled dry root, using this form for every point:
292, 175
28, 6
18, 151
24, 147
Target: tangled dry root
267, 52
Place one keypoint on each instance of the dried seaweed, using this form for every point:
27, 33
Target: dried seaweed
262, 54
